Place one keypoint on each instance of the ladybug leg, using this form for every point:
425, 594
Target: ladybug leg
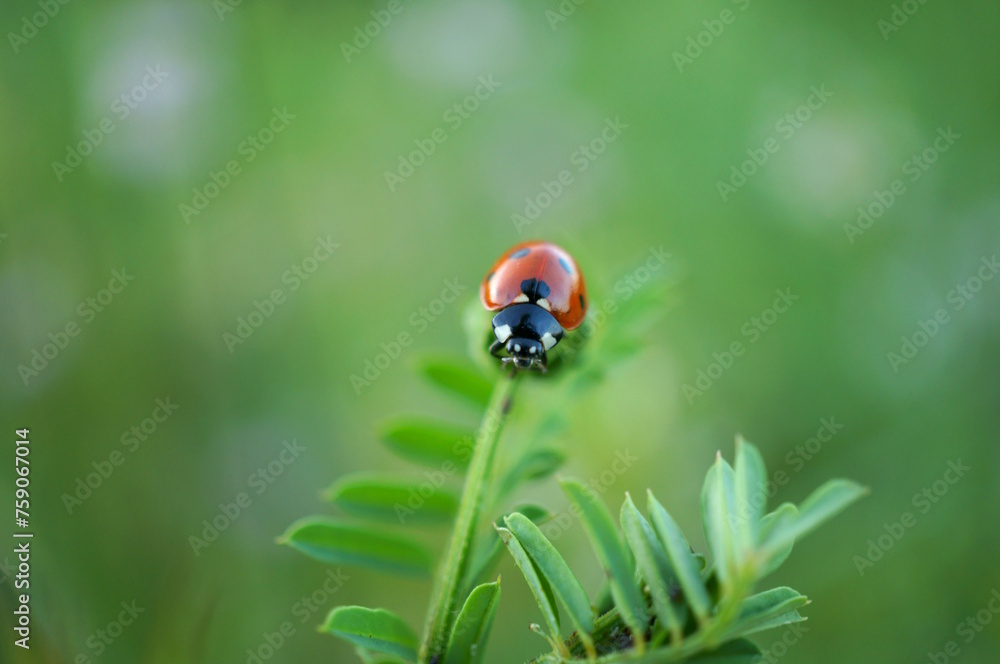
495, 349
543, 362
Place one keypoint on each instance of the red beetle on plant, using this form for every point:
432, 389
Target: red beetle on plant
539, 293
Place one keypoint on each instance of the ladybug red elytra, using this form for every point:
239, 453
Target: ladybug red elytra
539, 292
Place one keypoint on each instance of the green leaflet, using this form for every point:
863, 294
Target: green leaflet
718, 508
751, 494
374, 629
554, 569
536, 583
682, 560
440, 445
776, 559
535, 464
335, 542
613, 556
768, 609
456, 376
488, 549
393, 499
823, 504
653, 564
467, 642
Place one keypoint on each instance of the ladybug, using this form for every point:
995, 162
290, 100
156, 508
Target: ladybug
539, 293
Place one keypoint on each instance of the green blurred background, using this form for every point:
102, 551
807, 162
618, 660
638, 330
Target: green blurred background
221, 76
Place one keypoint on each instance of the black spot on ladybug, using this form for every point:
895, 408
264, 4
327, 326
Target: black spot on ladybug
535, 289
582, 303
521, 253
489, 277
565, 265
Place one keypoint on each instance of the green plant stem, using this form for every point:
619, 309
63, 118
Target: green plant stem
729, 609
447, 583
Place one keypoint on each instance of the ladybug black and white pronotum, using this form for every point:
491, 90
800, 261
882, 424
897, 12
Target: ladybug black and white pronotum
539, 293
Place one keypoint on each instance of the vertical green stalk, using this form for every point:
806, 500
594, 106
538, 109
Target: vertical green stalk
446, 583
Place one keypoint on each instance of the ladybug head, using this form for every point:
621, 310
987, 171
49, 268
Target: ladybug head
526, 331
